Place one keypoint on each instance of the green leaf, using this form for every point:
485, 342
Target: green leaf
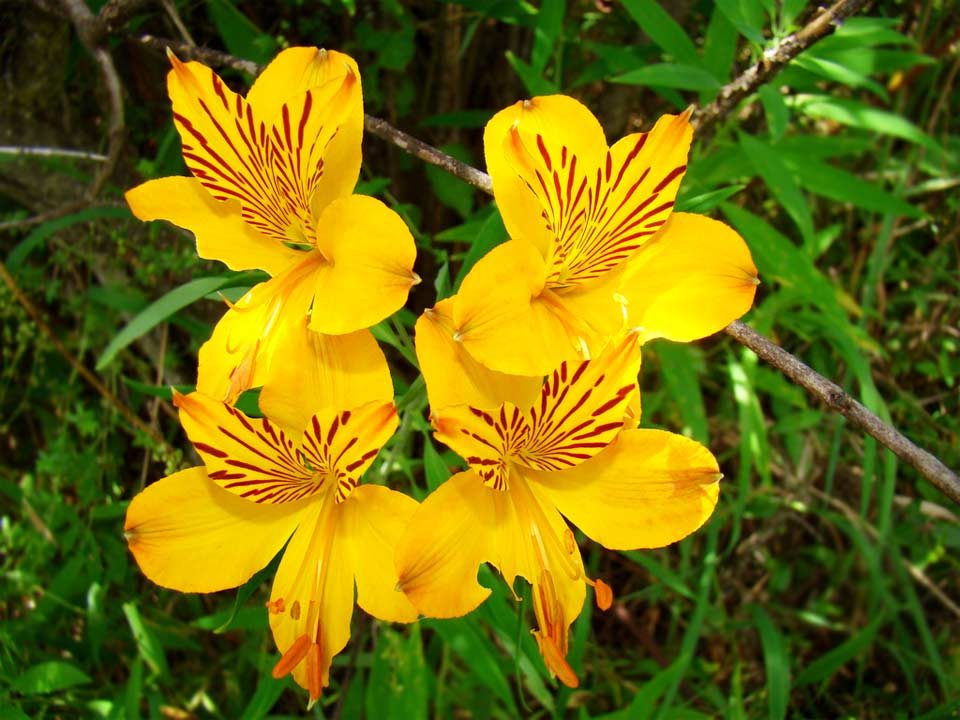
767, 161
857, 114
434, 467
464, 638
491, 234
679, 366
720, 46
49, 677
839, 73
458, 118
682, 77
828, 663
707, 201
46, 230
532, 80
776, 660
240, 35
663, 30
775, 109
147, 644
545, 35
452, 192
779, 259
746, 16
832, 182
159, 311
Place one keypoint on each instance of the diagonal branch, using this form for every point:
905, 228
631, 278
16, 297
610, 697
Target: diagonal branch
774, 60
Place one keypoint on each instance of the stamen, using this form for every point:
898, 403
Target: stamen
556, 661
292, 657
603, 593
275, 607
314, 670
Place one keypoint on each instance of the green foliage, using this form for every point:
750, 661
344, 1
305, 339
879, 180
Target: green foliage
808, 593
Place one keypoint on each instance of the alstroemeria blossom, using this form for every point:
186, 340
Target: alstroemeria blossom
272, 177
565, 454
264, 483
595, 245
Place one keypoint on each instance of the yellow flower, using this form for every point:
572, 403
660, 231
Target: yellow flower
594, 239
210, 528
272, 177
570, 452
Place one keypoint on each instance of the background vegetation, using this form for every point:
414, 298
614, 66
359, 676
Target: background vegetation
822, 585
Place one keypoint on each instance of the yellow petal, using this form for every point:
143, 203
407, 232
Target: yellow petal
240, 353
448, 537
369, 527
581, 409
250, 457
235, 152
341, 444
312, 599
314, 371
524, 145
221, 232
190, 535
454, 377
649, 489
534, 542
294, 71
633, 198
694, 279
368, 271
506, 318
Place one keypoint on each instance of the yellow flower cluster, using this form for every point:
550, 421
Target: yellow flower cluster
531, 369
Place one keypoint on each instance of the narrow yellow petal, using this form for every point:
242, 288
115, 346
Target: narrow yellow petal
649, 489
694, 279
340, 445
240, 353
221, 232
369, 527
446, 540
632, 199
454, 377
524, 145
190, 535
250, 457
312, 598
368, 271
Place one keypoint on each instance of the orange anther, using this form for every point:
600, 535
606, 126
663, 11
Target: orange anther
275, 607
603, 594
292, 657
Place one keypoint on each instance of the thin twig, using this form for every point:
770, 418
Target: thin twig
774, 60
92, 33
52, 152
128, 414
817, 385
835, 398
214, 58
385, 131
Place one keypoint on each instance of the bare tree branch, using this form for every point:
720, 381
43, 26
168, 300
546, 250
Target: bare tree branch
91, 33
836, 399
774, 60
52, 152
